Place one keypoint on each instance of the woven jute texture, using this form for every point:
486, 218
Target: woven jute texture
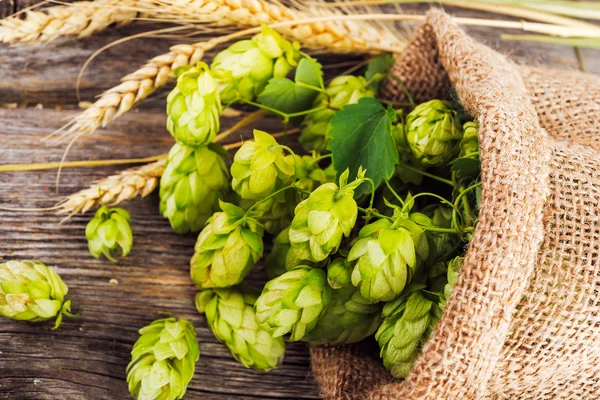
524, 319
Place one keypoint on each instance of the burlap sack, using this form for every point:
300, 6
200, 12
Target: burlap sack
524, 319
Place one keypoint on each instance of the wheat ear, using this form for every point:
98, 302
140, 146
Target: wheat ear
130, 183
78, 19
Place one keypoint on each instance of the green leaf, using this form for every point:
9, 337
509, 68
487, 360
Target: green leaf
361, 136
285, 95
466, 167
378, 68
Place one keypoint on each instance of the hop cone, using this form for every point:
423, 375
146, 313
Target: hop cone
454, 268
283, 256
293, 302
163, 360
386, 256
407, 320
343, 90
469, 143
441, 245
190, 187
30, 291
260, 167
231, 316
432, 132
227, 248
194, 107
109, 233
244, 68
406, 175
321, 220
349, 317
309, 174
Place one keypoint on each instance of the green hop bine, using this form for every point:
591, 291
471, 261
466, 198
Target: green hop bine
108, 233
260, 167
245, 67
194, 107
163, 360
293, 302
190, 188
227, 248
322, 220
349, 317
407, 321
342, 90
432, 133
30, 291
231, 317
386, 255
469, 144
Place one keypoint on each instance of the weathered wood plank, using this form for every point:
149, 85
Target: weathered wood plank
86, 357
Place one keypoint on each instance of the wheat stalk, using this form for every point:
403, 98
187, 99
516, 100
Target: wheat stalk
130, 183
78, 19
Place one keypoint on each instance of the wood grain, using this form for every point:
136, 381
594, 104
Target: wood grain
86, 357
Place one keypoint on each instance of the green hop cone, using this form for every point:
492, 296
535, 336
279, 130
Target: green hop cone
309, 174
454, 267
322, 220
231, 317
349, 317
441, 245
283, 257
386, 255
274, 213
109, 233
163, 360
469, 144
30, 291
432, 133
343, 90
227, 248
293, 302
402, 171
407, 320
194, 107
244, 68
260, 167
190, 188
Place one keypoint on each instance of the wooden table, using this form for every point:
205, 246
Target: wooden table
87, 356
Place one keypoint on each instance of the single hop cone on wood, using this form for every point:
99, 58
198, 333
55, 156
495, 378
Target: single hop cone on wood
109, 233
190, 188
30, 291
227, 248
322, 220
260, 167
163, 360
342, 90
432, 133
349, 317
194, 107
244, 68
386, 255
232, 319
405, 325
293, 302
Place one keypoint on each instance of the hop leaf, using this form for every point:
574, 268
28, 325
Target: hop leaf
349, 317
226, 249
163, 360
432, 133
343, 90
190, 188
293, 302
322, 220
407, 320
260, 167
109, 233
30, 291
454, 267
194, 107
231, 317
386, 256
244, 68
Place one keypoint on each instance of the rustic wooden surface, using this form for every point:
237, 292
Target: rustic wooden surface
86, 357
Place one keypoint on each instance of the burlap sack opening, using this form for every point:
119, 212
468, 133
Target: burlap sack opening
524, 319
